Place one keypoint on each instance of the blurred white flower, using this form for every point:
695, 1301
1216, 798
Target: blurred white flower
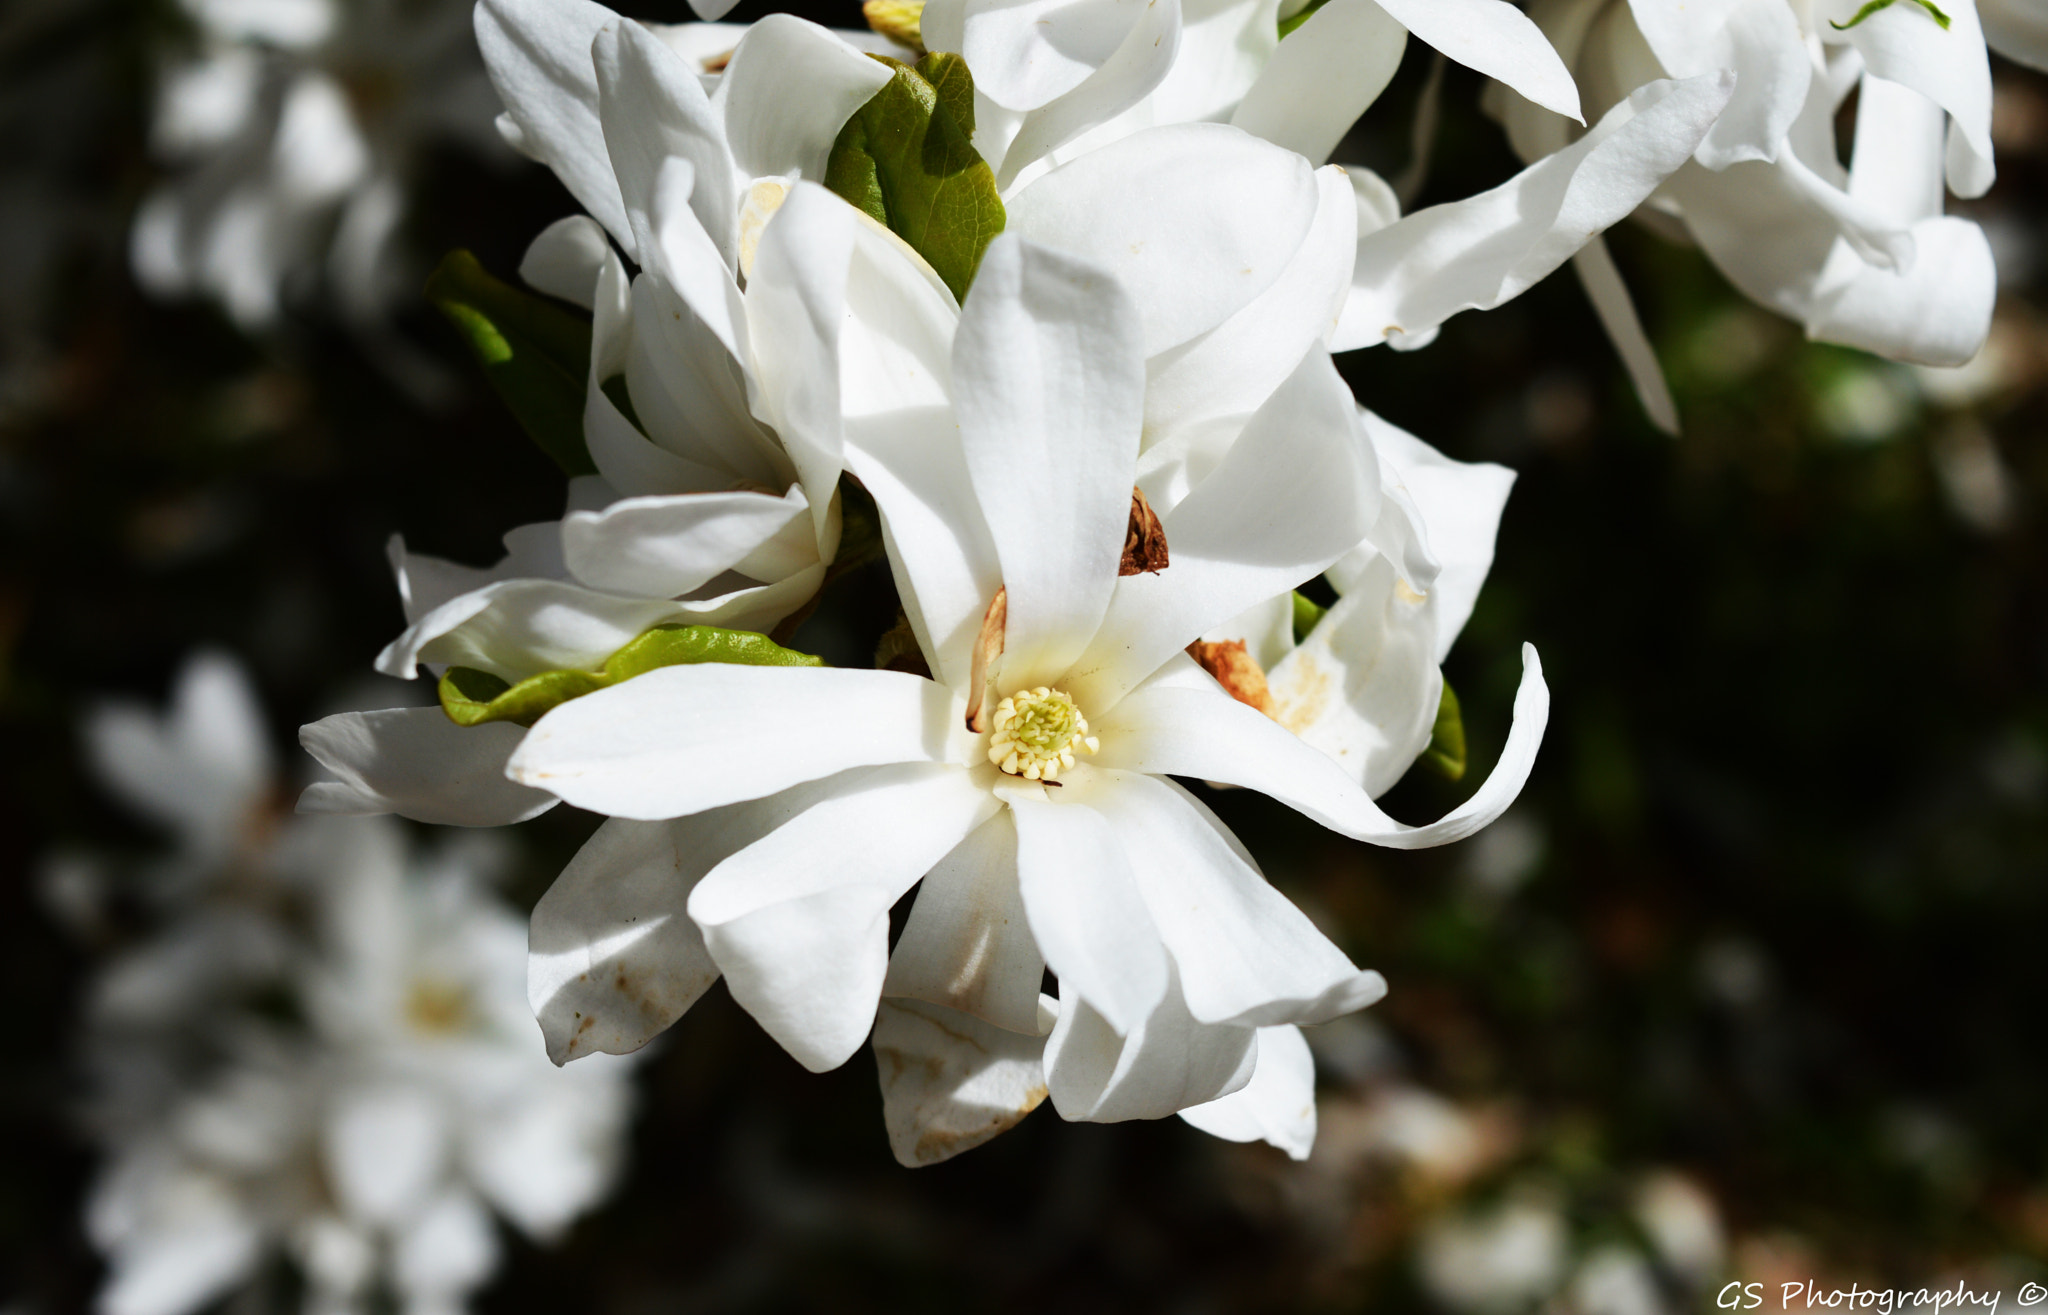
324, 1050
1682, 1222
1509, 1256
292, 130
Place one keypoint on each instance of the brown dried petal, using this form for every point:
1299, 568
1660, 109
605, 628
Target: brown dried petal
988, 650
1144, 540
1236, 670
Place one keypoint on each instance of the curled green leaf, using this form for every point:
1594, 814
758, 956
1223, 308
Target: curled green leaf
535, 354
1306, 613
1446, 752
907, 160
471, 697
1875, 5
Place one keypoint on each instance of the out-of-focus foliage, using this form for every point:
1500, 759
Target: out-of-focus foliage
1748, 983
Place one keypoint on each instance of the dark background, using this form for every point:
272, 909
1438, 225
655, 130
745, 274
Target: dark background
1768, 914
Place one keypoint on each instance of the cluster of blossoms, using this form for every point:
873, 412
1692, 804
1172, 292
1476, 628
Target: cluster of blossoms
1038, 302
318, 1049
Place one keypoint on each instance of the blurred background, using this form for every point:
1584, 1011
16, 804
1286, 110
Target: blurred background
1749, 985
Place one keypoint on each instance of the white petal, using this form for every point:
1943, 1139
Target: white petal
613, 956
1085, 909
1165, 1064
1244, 953
1494, 38
1166, 730
1148, 210
967, 944
623, 455
566, 259
691, 393
1224, 44
1050, 390
1323, 76
950, 1081
1460, 503
796, 307
804, 945
1617, 312
683, 739
774, 132
444, 1254
418, 764
1761, 41
1028, 54
538, 55
383, 1147
1231, 369
1364, 686
1938, 314
1137, 65
665, 547
203, 766
1278, 1106
553, 1152
1947, 65
653, 108
1252, 529
520, 628
1477, 253
940, 549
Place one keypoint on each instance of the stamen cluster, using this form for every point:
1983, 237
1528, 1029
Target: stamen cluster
1035, 732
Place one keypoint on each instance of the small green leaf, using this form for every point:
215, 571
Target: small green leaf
1875, 5
471, 697
1295, 20
907, 160
535, 354
1306, 613
1446, 752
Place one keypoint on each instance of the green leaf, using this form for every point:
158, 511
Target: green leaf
471, 697
1875, 5
536, 354
907, 160
1306, 613
1446, 752
1293, 21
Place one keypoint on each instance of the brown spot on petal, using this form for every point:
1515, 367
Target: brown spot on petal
1144, 539
988, 650
1236, 670
717, 63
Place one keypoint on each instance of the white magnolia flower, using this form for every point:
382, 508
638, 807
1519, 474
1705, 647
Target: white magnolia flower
1057, 82
1025, 782
294, 128
1861, 255
371, 1138
1234, 283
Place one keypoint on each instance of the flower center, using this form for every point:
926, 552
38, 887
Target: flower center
436, 1008
1035, 732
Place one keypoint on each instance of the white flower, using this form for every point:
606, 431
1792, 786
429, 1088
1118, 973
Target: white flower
379, 1139
373, 1136
1057, 82
1862, 256
1003, 466
1234, 282
294, 129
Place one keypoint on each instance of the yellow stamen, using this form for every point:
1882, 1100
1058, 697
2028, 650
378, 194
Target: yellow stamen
1035, 733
